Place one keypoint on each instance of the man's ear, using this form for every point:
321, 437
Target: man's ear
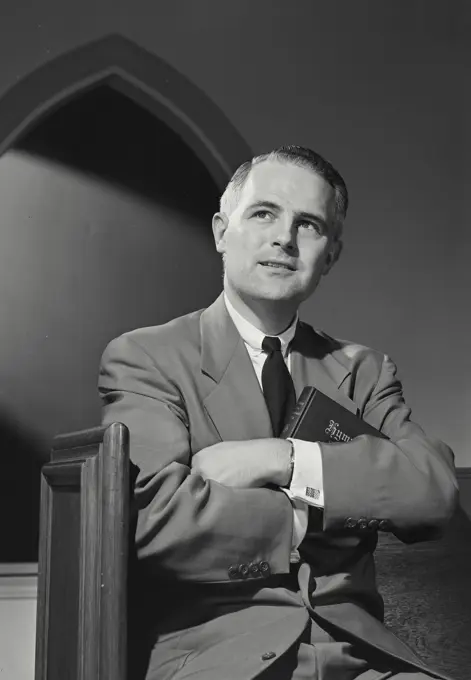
333, 255
220, 224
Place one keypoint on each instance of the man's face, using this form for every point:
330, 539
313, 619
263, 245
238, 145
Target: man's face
279, 240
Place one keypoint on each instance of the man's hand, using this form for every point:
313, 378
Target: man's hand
250, 463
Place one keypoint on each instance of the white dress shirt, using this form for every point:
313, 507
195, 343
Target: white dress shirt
306, 487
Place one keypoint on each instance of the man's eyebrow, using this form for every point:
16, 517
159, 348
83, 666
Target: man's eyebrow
265, 204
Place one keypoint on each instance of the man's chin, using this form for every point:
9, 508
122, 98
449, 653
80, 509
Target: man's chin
282, 295
286, 293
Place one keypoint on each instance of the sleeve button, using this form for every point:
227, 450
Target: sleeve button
373, 524
233, 571
363, 523
264, 568
244, 570
267, 656
350, 523
384, 525
254, 569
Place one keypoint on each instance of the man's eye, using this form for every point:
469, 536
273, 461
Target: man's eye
311, 226
263, 214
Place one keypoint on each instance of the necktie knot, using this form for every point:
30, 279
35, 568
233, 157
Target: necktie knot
271, 344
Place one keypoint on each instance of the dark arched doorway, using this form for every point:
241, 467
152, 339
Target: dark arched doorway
105, 199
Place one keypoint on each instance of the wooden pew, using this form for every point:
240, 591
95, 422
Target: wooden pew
83, 556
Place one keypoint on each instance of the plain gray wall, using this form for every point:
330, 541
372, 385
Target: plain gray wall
82, 261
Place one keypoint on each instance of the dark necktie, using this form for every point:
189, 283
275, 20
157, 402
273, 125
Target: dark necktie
277, 384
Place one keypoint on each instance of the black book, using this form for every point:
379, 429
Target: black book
318, 418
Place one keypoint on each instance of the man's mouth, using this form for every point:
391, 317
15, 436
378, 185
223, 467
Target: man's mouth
278, 265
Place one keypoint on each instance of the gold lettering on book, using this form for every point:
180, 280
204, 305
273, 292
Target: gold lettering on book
335, 433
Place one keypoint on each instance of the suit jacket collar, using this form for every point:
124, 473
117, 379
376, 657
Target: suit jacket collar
219, 339
236, 404
313, 363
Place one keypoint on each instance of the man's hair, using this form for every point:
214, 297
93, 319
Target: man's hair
296, 155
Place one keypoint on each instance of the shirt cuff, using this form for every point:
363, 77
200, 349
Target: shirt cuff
307, 482
300, 521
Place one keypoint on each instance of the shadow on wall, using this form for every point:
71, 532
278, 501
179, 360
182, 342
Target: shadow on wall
105, 217
21, 461
104, 134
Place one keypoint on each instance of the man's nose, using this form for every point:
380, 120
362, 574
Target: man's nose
284, 235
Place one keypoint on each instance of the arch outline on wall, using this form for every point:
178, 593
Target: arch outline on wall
143, 77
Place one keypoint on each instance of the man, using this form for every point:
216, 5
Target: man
255, 554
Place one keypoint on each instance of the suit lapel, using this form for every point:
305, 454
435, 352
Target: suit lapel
312, 363
236, 405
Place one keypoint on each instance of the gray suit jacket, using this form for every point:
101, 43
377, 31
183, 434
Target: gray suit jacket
190, 383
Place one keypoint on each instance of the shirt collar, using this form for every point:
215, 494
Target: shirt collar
253, 336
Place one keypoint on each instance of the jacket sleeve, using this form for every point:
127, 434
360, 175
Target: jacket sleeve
406, 485
187, 527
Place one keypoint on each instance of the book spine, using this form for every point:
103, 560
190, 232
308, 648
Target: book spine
297, 413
